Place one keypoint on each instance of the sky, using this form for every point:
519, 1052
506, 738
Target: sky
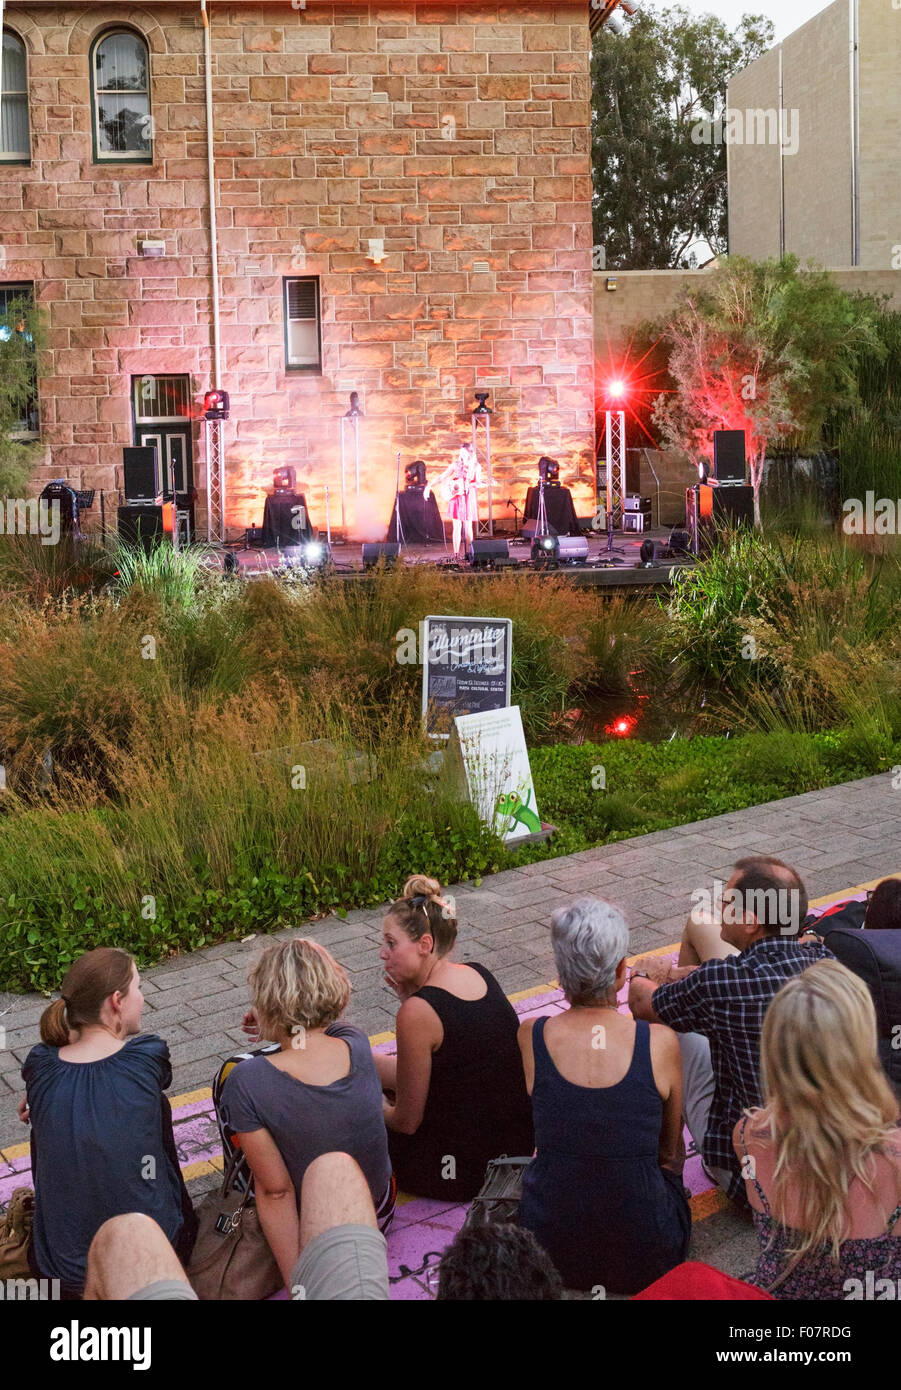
787, 15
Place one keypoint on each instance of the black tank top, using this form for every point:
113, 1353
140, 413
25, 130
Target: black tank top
477, 1107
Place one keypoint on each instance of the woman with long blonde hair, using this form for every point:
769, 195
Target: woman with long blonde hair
822, 1158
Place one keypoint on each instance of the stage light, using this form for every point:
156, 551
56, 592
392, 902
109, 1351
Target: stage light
482, 408
284, 480
215, 405
314, 553
617, 389
548, 470
622, 727
311, 555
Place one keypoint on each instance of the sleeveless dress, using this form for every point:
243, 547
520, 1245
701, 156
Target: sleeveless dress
817, 1275
596, 1197
477, 1107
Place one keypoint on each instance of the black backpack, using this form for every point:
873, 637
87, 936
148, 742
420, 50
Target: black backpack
876, 957
242, 1178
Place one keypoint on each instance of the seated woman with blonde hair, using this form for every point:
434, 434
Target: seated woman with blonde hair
319, 1094
822, 1158
456, 1096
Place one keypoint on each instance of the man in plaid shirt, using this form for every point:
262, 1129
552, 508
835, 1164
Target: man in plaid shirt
718, 1007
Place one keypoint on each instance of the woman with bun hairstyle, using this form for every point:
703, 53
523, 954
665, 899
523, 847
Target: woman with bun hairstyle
101, 1126
455, 1092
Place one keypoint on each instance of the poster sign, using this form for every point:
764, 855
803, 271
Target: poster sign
497, 771
466, 669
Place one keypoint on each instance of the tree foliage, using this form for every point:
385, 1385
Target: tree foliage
656, 191
765, 347
22, 338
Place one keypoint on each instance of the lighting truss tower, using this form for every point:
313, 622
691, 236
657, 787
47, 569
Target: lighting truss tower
482, 413
215, 472
616, 462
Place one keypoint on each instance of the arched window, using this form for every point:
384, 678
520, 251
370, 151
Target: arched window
120, 90
15, 144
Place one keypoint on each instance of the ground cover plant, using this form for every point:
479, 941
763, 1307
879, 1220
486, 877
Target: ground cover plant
191, 759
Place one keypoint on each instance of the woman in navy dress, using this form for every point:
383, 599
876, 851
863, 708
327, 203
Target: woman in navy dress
604, 1194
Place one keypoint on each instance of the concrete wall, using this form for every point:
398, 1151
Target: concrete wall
880, 135
755, 202
817, 76
816, 82
458, 134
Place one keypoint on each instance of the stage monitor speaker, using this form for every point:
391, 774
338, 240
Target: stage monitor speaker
530, 531
141, 526
572, 550
374, 551
141, 474
488, 552
729, 456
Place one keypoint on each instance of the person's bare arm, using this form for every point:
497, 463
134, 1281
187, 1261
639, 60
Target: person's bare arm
524, 1038
641, 991
419, 1033
276, 1198
666, 1062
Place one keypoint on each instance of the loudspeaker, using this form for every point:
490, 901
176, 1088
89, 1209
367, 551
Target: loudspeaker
373, 551
572, 550
141, 474
707, 509
488, 552
141, 526
530, 530
729, 456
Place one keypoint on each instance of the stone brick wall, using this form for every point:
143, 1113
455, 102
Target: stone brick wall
331, 127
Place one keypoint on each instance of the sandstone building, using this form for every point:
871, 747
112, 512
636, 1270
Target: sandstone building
401, 206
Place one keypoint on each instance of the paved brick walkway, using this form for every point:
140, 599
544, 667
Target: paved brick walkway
836, 838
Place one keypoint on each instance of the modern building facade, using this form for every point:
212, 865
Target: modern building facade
292, 201
815, 148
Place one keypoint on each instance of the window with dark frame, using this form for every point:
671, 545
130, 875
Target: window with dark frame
29, 422
303, 329
15, 133
120, 95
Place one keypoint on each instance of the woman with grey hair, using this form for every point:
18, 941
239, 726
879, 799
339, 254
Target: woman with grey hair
604, 1193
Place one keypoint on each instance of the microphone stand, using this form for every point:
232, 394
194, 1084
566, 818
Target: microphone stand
398, 524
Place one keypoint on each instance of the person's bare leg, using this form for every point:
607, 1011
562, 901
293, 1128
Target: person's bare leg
129, 1253
334, 1193
458, 527
701, 940
386, 1066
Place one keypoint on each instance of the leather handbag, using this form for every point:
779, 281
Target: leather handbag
231, 1260
500, 1194
15, 1233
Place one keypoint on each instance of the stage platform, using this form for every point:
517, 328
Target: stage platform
622, 570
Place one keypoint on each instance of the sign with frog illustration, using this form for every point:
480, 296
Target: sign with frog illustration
496, 767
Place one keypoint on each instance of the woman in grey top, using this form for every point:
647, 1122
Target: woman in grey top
319, 1094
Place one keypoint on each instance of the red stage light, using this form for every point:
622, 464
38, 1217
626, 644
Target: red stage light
622, 727
617, 389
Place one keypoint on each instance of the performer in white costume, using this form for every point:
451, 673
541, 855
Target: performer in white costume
458, 484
